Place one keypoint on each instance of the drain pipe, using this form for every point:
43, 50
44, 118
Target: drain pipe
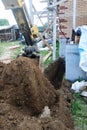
54, 32
31, 11
74, 14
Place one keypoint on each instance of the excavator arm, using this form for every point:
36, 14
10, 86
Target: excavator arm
19, 10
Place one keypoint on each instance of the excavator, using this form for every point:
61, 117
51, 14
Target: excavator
29, 31
55, 71
20, 13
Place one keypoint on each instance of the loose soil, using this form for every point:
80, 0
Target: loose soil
25, 91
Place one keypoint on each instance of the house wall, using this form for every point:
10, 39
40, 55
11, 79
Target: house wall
5, 34
81, 15
9, 33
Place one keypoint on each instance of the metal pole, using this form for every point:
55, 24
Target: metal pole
48, 13
37, 15
74, 14
54, 33
31, 11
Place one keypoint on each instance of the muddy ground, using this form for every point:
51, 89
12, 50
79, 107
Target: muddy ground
25, 91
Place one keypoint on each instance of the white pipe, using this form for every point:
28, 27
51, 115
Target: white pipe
48, 13
54, 33
31, 11
74, 14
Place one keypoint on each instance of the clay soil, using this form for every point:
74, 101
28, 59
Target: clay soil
25, 91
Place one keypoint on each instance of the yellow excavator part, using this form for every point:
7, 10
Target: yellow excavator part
34, 31
21, 3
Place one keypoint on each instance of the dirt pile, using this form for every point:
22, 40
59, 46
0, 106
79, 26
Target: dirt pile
25, 91
1, 80
27, 86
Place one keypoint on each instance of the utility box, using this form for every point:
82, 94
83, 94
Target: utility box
62, 47
73, 71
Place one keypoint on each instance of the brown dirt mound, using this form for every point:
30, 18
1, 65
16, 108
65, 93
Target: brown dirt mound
27, 86
25, 92
1, 71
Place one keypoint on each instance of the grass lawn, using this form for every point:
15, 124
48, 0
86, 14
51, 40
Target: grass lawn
5, 46
49, 60
79, 111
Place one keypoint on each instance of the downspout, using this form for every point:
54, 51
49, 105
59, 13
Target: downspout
74, 14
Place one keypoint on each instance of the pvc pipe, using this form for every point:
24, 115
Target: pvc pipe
54, 33
74, 14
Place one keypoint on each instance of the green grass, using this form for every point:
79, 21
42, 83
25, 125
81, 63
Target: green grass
3, 46
44, 53
49, 60
17, 51
79, 112
6, 45
57, 49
